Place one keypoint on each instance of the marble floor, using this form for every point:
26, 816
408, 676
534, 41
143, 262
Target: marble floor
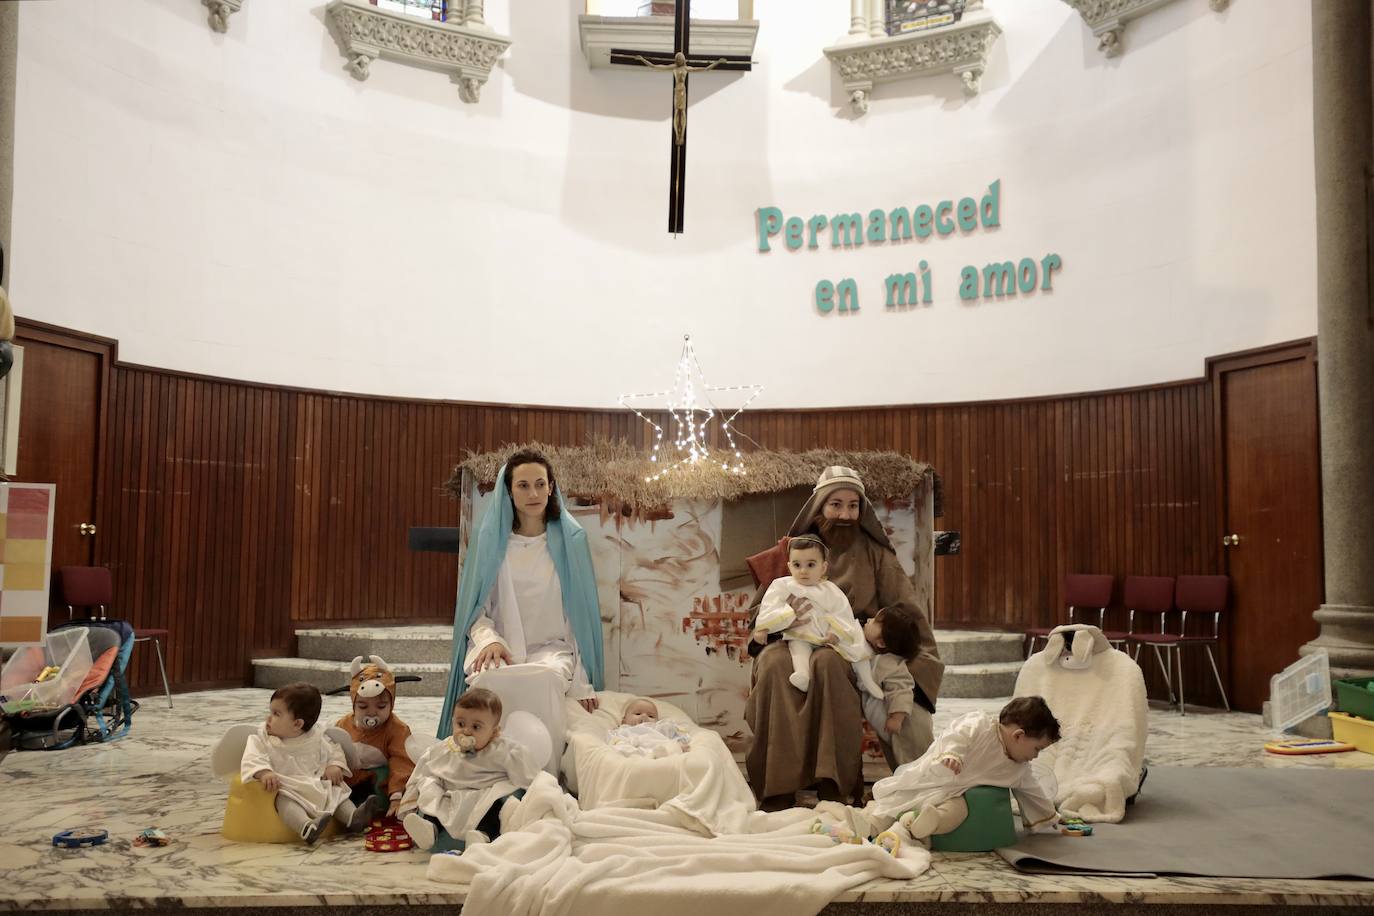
159, 776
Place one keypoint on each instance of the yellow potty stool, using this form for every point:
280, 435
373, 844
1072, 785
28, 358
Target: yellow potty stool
250, 814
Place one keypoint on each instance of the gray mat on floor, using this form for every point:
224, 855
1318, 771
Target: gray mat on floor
1295, 822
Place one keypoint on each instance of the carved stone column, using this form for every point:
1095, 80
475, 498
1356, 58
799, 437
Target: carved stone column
1343, 131
858, 21
877, 19
473, 14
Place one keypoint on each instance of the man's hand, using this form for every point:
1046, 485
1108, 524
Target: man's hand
492, 656
591, 704
334, 774
954, 764
801, 607
894, 723
270, 781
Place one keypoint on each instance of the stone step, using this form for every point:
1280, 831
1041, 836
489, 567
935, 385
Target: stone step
973, 647
434, 644
326, 674
987, 679
424, 645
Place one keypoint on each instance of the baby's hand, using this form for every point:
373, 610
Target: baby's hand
832, 639
760, 636
393, 807
894, 723
270, 781
334, 774
954, 764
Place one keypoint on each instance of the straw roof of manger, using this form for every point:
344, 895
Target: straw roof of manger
617, 471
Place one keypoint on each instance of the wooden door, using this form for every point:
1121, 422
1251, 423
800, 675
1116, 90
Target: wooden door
64, 389
1272, 491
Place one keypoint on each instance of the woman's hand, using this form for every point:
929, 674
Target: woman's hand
591, 704
492, 656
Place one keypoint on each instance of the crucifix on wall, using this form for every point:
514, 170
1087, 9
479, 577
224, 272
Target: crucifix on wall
680, 62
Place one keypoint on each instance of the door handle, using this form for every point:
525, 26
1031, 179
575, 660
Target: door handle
1231, 540
87, 528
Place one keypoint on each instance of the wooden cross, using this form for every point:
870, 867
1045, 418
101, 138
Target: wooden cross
680, 63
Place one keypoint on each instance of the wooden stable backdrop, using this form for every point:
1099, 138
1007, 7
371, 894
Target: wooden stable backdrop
234, 513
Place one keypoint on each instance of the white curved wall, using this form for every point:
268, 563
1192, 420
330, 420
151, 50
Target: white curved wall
238, 205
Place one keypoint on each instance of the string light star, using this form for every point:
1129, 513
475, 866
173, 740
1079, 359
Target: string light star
688, 399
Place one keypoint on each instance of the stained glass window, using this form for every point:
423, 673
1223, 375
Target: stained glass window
422, 9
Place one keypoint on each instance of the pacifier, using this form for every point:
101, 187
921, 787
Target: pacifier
466, 743
367, 722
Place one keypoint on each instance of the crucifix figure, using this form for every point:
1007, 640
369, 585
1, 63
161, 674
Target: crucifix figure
680, 63
680, 69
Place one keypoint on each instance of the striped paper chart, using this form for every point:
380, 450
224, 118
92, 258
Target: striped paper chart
26, 513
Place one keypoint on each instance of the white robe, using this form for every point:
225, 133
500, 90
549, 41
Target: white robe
524, 613
831, 613
457, 789
973, 739
641, 740
299, 763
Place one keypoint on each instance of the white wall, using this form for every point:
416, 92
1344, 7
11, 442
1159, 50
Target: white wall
238, 205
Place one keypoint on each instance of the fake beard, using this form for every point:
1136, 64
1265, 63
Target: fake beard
838, 533
369, 722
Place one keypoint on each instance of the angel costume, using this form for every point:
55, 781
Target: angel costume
457, 789
649, 739
975, 740
830, 617
305, 795
536, 597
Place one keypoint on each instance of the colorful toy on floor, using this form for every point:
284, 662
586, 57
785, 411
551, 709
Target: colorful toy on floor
151, 837
1075, 826
79, 837
387, 835
1308, 746
888, 842
838, 833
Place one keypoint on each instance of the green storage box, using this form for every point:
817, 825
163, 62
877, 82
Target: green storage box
1356, 696
989, 824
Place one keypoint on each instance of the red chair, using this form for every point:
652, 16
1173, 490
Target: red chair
1151, 595
1081, 592
1203, 595
92, 587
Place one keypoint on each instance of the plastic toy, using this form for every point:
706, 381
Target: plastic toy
79, 837
838, 833
888, 841
1075, 826
151, 837
1308, 746
387, 835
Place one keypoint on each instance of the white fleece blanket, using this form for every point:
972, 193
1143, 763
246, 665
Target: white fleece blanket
553, 859
1098, 695
704, 786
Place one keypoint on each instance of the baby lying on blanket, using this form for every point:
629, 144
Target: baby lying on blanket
642, 734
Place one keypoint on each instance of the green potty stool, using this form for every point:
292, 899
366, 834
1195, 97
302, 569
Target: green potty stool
989, 824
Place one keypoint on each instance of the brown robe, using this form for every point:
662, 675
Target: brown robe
799, 738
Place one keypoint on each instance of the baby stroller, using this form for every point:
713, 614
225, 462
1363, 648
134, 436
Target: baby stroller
71, 689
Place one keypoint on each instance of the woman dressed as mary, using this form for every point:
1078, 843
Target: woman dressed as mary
528, 622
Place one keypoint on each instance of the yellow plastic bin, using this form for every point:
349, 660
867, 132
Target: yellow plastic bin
1354, 730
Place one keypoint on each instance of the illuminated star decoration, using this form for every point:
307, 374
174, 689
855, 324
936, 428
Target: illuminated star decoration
689, 398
